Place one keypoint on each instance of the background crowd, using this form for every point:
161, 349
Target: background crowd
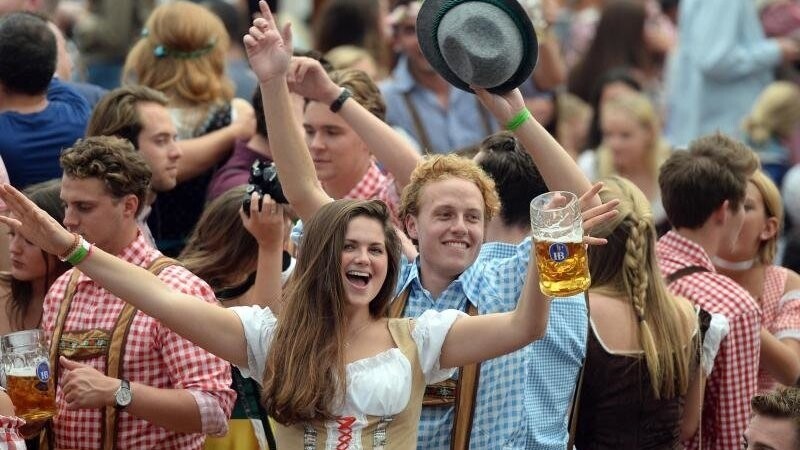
151, 130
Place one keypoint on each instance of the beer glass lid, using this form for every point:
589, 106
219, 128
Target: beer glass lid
22, 338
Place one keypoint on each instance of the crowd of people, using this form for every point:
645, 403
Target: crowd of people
306, 224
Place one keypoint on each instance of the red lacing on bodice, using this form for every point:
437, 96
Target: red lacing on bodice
345, 432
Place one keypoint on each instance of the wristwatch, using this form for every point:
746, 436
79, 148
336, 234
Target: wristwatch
123, 396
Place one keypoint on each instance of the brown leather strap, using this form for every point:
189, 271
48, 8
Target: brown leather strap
116, 352
61, 318
422, 135
466, 387
576, 396
466, 393
686, 271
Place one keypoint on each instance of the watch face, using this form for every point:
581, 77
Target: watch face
123, 397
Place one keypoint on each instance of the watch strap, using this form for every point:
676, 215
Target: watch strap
124, 385
337, 104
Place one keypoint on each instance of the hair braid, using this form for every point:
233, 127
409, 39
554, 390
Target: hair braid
637, 281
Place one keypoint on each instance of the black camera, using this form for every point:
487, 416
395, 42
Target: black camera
263, 181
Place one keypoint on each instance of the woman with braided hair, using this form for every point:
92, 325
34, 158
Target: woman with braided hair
642, 385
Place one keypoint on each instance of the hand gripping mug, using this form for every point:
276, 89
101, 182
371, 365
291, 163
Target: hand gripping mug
557, 230
29, 380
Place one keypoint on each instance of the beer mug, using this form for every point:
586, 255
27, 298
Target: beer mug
557, 230
28, 377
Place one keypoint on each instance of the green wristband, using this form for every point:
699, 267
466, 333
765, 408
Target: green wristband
80, 253
518, 120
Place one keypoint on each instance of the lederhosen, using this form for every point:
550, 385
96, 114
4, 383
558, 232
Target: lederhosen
461, 393
94, 343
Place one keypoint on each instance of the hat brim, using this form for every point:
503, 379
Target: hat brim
429, 44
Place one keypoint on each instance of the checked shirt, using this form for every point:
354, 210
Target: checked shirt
155, 356
726, 406
492, 285
552, 365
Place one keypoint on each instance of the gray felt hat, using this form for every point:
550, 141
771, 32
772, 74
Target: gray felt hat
485, 43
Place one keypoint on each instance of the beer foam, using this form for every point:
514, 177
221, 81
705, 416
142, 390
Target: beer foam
21, 372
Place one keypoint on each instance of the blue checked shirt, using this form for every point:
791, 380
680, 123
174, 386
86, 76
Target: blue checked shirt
552, 365
492, 285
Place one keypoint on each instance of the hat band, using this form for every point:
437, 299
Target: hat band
450, 4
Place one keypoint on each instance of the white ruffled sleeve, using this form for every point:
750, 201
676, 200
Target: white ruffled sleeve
717, 331
259, 325
430, 330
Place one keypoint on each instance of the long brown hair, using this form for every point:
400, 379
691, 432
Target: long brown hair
220, 249
627, 268
46, 196
305, 369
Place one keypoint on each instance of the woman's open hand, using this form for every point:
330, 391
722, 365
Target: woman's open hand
269, 49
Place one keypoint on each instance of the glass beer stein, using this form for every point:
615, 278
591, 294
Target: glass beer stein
557, 230
28, 377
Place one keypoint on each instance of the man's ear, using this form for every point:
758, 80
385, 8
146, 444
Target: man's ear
131, 205
771, 227
411, 226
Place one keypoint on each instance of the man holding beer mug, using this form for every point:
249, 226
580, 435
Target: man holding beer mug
122, 379
445, 209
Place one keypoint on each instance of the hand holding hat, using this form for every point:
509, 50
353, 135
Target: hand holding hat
490, 44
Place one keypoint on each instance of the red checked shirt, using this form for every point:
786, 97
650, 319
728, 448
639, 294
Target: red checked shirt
726, 406
378, 186
154, 356
781, 314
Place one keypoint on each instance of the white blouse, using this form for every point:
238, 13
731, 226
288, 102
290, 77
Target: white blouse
379, 385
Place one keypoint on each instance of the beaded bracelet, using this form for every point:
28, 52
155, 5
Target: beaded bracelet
516, 121
80, 253
76, 242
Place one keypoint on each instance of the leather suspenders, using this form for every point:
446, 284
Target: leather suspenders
461, 393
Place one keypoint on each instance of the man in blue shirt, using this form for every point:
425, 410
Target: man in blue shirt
440, 117
39, 115
552, 364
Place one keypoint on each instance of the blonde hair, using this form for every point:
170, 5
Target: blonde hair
440, 167
182, 54
347, 56
773, 207
640, 109
776, 112
627, 268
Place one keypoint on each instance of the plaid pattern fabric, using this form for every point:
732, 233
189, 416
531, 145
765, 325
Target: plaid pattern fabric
774, 283
10, 439
379, 186
726, 406
552, 365
492, 285
154, 356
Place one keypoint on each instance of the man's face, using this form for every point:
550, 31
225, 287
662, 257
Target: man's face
91, 211
158, 145
405, 35
449, 227
769, 433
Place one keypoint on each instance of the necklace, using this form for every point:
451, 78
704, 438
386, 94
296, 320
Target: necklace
737, 266
355, 334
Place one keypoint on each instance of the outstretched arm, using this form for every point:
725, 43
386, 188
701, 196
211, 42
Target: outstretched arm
559, 170
211, 327
270, 51
478, 338
308, 78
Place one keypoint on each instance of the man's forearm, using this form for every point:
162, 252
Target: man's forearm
173, 409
